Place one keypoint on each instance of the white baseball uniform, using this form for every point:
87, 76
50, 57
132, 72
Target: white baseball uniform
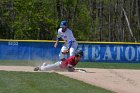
70, 42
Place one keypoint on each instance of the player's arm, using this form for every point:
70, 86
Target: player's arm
57, 40
56, 43
70, 68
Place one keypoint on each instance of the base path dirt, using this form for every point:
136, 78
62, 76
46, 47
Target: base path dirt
117, 80
17, 68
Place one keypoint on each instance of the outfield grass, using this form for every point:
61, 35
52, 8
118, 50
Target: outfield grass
80, 64
18, 62
30, 82
109, 65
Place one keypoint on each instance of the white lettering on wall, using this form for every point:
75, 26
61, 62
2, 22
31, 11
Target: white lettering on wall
113, 53
117, 52
130, 53
80, 47
12, 43
86, 52
95, 52
107, 55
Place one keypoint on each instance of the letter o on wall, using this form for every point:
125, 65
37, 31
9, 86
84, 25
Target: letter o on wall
130, 53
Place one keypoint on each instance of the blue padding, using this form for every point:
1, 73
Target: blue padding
16, 50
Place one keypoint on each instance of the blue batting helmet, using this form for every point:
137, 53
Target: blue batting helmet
63, 23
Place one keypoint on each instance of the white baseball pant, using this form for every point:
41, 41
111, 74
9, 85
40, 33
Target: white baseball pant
65, 47
55, 66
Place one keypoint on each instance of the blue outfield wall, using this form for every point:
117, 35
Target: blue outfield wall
93, 51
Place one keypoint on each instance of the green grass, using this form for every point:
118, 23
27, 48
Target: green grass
109, 65
30, 82
19, 62
80, 64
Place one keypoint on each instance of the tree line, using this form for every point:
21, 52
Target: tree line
90, 20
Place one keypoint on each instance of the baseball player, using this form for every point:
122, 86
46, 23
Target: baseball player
67, 64
70, 44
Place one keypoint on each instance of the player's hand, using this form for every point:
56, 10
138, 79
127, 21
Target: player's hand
70, 68
65, 52
55, 45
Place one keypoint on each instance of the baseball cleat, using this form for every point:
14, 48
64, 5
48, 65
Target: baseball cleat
37, 69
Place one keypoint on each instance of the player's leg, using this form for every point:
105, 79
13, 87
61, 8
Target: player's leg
62, 56
73, 48
50, 66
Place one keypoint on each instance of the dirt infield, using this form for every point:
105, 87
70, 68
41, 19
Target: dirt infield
118, 80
